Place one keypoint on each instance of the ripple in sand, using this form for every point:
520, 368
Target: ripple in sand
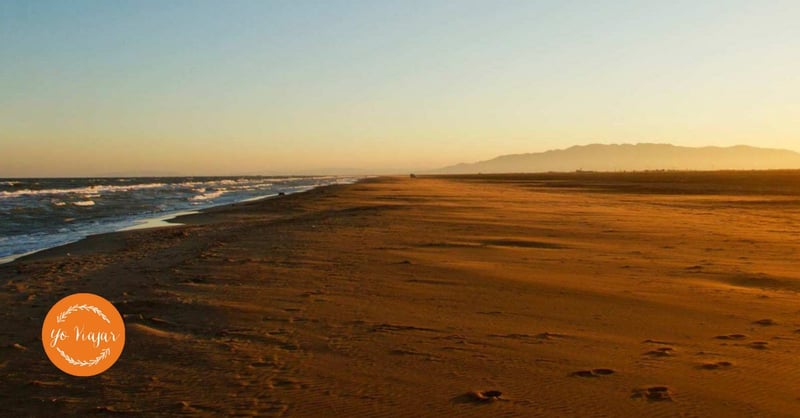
765, 322
479, 397
731, 337
551, 336
18, 346
393, 327
592, 373
648, 341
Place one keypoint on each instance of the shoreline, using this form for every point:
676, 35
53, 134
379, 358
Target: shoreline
411, 297
161, 221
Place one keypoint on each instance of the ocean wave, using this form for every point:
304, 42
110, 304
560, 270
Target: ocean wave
65, 210
80, 190
96, 190
208, 196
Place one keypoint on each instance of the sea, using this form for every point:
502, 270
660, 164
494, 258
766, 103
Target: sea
37, 214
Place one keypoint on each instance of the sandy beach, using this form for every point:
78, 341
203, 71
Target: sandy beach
573, 295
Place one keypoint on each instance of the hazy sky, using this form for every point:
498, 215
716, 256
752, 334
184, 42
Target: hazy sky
222, 87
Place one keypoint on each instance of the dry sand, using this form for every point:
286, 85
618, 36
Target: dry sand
579, 295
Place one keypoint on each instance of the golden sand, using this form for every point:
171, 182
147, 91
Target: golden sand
558, 296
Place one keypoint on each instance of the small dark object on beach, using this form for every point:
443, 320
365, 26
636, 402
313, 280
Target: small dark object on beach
583, 373
492, 394
483, 395
281, 194
479, 397
413, 176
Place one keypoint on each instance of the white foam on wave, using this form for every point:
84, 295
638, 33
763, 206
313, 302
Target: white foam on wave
198, 186
75, 201
88, 190
207, 196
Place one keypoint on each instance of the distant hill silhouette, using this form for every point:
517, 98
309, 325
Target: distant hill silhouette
633, 157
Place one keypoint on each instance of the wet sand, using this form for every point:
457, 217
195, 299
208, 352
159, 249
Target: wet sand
579, 295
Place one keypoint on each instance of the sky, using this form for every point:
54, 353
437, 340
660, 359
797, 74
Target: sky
246, 87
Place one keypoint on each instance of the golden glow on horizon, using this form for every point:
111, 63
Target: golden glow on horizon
285, 89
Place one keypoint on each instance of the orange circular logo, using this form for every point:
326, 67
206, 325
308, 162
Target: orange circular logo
83, 334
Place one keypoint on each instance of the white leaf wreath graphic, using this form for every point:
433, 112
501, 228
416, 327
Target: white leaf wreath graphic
105, 353
62, 317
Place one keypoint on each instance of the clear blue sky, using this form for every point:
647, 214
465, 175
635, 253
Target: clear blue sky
91, 87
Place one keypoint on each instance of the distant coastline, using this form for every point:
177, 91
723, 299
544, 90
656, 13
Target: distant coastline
633, 157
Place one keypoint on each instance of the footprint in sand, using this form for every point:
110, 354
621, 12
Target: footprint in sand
653, 393
716, 366
661, 352
765, 322
592, 373
759, 345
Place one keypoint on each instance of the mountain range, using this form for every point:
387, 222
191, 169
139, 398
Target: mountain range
633, 157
